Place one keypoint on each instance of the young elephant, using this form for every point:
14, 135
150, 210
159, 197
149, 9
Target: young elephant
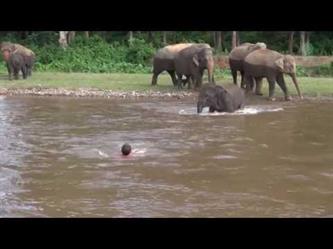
15, 64
228, 98
266, 63
237, 56
164, 61
192, 62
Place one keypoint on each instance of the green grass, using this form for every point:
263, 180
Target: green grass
142, 82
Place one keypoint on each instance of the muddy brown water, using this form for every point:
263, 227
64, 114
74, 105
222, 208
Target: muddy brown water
60, 157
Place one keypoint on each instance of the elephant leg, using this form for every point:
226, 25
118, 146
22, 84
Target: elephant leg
24, 72
16, 73
154, 79
234, 76
179, 80
271, 82
211, 109
282, 84
187, 81
10, 70
28, 70
258, 86
193, 82
242, 79
199, 79
248, 82
173, 77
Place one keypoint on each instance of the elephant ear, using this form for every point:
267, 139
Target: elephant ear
196, 60
279, 63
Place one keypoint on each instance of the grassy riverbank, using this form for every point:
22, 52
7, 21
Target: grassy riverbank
140, 83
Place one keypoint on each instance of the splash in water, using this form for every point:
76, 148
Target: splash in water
135, 152
248, 110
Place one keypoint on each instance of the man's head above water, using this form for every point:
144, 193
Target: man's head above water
126, 149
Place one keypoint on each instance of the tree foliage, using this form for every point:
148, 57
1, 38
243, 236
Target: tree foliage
132, 51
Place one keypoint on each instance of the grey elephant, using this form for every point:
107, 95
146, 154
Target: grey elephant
164, 61
266, 63
227, 98
192, 61
27, 54
236, 58
15, 63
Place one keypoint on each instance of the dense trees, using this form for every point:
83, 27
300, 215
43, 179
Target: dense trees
132, 51
294, 42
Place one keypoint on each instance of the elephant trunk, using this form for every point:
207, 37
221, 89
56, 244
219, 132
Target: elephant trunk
199, 107
210, 69
293, 76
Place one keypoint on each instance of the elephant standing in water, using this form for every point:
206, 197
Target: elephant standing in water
192, 61
266, 63
228, 98
164, 61
237, 56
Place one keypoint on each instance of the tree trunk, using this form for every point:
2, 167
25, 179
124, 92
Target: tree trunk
222, 40
291, 42
71, 35
23, 34
306, 37
214, 38
86, 34
218, 44
307, 41
130, 37
238, 38
164, 37
150, 35
63, 39
234, 39
302, 43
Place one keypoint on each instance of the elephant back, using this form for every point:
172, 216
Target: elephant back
262, 57
240, 52
170, 51
176, 48
195, 49
23, 50
164, 53
236, 94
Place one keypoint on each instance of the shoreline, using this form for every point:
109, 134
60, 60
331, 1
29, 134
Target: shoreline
93, 93
116, 94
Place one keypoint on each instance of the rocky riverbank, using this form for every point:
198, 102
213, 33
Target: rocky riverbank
89, 92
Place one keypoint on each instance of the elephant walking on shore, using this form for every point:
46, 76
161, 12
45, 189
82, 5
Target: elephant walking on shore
164, 61
237, 56
15, 63
227, 98
266, 63
192, 61
28, 55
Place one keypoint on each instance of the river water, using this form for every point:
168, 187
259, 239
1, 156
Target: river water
60, 157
